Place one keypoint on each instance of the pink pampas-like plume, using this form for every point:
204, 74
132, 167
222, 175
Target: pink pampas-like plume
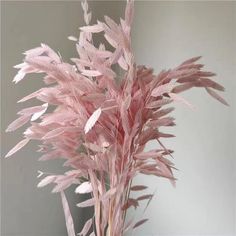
100, 125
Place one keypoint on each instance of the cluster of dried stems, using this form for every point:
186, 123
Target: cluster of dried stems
99, 124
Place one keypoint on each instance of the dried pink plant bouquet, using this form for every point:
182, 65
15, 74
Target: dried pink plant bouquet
100, 124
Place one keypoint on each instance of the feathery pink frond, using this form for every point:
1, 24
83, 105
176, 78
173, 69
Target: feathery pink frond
99, 113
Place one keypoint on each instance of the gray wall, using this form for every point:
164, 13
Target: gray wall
164, 34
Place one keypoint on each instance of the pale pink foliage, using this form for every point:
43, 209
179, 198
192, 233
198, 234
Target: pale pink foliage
100, 124
68, 216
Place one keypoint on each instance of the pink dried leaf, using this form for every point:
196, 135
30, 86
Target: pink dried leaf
80, 49
18, 146
180, 99
191, 66
125, 27
181, 88
61, 118
188, 79
103, 54
47, 180
217, 96
167, 121
68, 216
206, 74
130, 203
166, 151
111, 40
183, 74
129, 12
50, 155
28, 69
51, 54
127, 102
191, 60
140, 223
166, 170
84, 5
110, 109
163, 112
116, 56
30, 110
87, 203
96, 53
22, 120
85, 187
109, 194
54, 133
20, 66
34, 52
165, 161
40, 173
40, 113
93, 73
146, 155
147, 135
105, 71
81, 62
149, 201
92, 120
210, 83
165, 135
112, 24
72, 38
31, 134
88, 18
63, 184
158, 103
73, 172
138, 187
30, 96
97, 28
19, 76
160, 90
44, 64
124, 118
86, 227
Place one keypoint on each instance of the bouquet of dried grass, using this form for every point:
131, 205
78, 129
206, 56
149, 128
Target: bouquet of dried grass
99, 124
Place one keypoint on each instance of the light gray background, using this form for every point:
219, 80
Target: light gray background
164, 34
